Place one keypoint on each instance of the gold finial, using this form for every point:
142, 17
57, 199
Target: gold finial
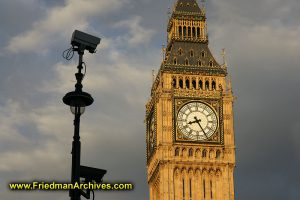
169, 10
224, 57
203, 6
153, 75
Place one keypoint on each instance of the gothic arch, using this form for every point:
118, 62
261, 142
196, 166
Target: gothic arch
197, 153
191, 152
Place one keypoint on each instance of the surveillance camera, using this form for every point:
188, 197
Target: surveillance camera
92, 174
84, 41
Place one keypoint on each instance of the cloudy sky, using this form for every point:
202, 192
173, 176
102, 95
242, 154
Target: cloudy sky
262, 41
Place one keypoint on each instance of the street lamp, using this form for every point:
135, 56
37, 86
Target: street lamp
78, 100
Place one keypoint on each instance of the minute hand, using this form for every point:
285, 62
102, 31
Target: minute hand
202, 129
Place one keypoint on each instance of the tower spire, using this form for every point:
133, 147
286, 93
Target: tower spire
203, 6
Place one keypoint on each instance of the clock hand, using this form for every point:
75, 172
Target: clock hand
198, 122
191, 122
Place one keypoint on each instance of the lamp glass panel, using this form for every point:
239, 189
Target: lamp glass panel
80, 109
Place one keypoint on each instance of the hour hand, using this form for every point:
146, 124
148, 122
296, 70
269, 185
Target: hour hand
191, 122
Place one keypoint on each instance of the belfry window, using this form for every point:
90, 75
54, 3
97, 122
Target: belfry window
180, 31
206, 85
198, 32
174, 83
200, 84
194, 32
180, 83
213, 85
194, 84
189, 32
184, 31
187, 83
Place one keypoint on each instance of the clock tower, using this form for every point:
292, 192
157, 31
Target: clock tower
189, 117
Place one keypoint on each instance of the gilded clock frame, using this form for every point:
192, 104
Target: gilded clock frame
215, 103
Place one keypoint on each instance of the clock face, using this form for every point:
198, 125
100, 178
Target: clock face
197, 121
151, 133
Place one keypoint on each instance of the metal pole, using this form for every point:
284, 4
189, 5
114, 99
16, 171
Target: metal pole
76, 145
75, 194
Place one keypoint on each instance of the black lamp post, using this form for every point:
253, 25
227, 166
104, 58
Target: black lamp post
78, 100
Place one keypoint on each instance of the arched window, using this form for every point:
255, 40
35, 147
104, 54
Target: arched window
184, 31
180, 31
192, 53
218, 154
175, 61
211, 193
180, 51
190, 188
211, 154
174, 83
206, 85
198, 32
187, 83
189, 32
194, 32
199, 63
204, 153
181, 83
210, 63
190, 152
177, 151
194, 84
183, 152
202, 54
186, 61
200, 84
203, 188
213, 85
183, 189
197, 153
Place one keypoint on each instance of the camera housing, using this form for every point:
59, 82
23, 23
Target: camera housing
92, 174
84, 41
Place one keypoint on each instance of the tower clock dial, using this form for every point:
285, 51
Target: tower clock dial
197, 121
151, 133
